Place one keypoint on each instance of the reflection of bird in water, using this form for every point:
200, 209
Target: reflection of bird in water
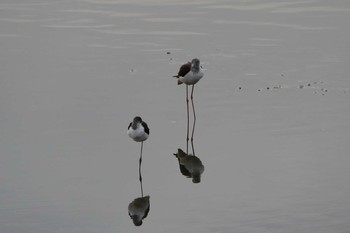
139, 132
189, 74
190, 165
138, 209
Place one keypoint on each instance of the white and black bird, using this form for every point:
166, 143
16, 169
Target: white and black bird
138, 130
189, 74
138, 209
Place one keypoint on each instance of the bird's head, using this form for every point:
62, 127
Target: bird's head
196, 178
195, 64
137, 119
137, 220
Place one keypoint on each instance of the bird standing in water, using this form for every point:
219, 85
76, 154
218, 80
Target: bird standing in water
189, 74
138, 130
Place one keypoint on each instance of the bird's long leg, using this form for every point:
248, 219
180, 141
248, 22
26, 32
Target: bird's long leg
188, 119
194, 119
140, 176
192, 144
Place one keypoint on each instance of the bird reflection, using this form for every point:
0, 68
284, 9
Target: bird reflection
190, 165
138, 209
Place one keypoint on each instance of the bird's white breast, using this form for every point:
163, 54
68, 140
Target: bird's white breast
138, 134
192, 78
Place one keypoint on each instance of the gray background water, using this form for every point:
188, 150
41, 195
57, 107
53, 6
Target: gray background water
272, 115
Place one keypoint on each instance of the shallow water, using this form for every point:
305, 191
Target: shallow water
272, 115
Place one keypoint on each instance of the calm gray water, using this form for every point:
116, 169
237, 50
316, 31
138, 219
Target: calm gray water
272, 115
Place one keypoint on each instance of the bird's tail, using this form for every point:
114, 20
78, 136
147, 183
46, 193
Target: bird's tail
178, 80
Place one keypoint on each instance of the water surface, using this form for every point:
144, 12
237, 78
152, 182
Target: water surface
272, 115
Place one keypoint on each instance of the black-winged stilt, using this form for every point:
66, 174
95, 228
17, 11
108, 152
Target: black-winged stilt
189, 74
138, 130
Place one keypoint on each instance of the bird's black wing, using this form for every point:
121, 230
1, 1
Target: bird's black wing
145, 126
129, 125
183, 170
184, 69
